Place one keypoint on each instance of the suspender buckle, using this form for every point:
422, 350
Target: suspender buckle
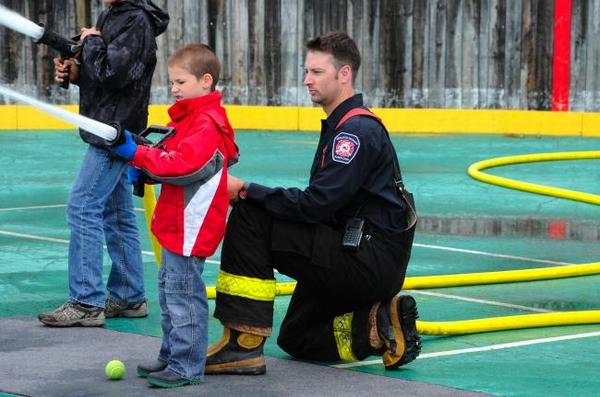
399, 185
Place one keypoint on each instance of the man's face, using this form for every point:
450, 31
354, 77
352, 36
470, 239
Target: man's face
321, 77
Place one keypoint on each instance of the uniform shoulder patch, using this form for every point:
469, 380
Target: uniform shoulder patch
345, 147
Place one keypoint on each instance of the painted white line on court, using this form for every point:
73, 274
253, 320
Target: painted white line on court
480, 349
437, 247
150, 253
33, 237
483, 253
34, 207
41, 207
58, 240
481, 301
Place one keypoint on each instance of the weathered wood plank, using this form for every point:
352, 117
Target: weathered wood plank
513, 87
453, 61
592, 88
537, 52
416, 53
437, 44
419, 65
370, 74
292, 89
579, 37
528, 57
496, 82
272, 49
545, 18
393, 45
484, 53
470, 54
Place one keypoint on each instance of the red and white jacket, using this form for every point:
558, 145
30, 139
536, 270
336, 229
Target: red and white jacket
190, 213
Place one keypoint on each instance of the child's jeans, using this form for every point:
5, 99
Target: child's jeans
184, 314
101, 206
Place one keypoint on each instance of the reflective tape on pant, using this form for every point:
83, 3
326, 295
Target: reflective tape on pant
342, 332
246, 287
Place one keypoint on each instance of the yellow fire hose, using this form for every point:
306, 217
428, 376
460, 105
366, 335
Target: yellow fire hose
149, 206
508, 323
475, 172
510, 276
527, 320
459, 280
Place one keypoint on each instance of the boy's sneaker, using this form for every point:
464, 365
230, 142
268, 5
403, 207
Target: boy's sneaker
72, 314
145, 369
168, 378
396, 326
132, 310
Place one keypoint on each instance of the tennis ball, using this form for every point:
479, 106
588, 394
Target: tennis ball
114, 370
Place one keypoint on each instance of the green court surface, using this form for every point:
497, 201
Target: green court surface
38, 168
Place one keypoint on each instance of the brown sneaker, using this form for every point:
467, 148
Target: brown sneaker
132, 310
237, 353
396, 326
72, 314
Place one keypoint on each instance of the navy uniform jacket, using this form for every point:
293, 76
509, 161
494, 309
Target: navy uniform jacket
116, 68
351, 175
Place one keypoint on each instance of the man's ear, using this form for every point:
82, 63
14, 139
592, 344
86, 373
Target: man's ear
346, 73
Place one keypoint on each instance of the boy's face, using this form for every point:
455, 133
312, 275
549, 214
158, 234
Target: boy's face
186, 85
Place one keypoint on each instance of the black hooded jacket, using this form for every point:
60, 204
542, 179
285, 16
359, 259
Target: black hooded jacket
117, 67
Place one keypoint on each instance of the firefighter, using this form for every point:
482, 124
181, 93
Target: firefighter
346, 239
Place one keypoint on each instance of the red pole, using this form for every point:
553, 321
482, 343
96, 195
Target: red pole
561, 65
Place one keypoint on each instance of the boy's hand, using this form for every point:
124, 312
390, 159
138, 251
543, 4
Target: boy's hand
127, 149
133, 175
88, 31
65, 69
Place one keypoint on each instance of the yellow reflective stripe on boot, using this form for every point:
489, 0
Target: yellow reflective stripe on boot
342, 331
246, 287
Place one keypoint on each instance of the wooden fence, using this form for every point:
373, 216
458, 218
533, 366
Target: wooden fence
472, 54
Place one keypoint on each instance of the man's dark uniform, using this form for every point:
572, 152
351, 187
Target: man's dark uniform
299, 233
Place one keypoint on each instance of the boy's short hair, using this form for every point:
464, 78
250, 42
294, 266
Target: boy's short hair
198, 59
341, 46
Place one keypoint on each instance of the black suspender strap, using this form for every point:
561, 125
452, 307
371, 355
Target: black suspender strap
411, 213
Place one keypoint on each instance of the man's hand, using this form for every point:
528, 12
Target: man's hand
234, 185
88, 31
127, 149
64, 69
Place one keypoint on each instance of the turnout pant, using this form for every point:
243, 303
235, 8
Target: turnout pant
328, 315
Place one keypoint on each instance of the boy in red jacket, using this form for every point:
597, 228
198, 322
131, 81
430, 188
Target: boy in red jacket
189, 220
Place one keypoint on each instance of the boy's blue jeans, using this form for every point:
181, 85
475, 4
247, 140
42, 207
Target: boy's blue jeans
101, 206
184, 314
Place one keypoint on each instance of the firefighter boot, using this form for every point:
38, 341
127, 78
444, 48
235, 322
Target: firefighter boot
396, 326
237, 353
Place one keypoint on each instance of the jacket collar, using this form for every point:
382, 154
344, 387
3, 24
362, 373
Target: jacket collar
182, 108
334, 118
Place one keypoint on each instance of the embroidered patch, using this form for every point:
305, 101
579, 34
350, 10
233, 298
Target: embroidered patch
345, 147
